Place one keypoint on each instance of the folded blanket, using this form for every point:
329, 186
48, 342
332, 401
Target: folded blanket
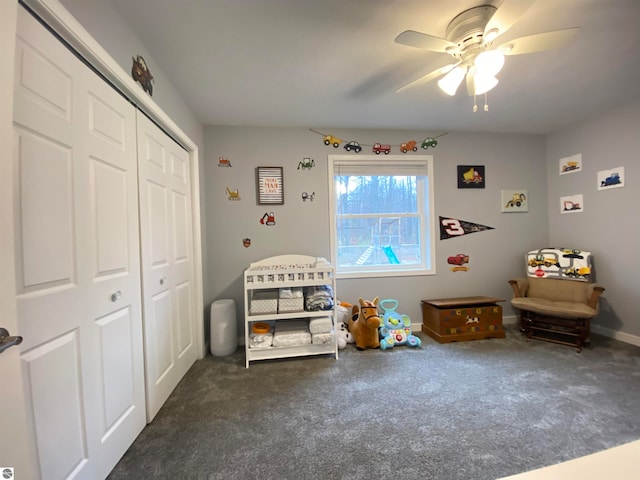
290, 333
319, 297
320, 325
322, 338
260, 340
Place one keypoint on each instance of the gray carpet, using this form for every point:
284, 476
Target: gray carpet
471, 410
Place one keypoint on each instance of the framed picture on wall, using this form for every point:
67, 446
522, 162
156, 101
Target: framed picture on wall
269, 186
471, 176
514, 200
572, 204
613, 178
572, 164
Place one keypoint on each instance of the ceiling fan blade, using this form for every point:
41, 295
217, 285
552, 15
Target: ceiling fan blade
539, 42
506, 15
411, 38
428, 77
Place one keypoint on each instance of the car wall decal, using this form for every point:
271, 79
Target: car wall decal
459, 262
377, 147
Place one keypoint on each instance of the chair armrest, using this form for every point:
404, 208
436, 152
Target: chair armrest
594, 297
519, 285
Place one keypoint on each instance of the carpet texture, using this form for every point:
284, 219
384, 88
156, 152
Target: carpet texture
468, 410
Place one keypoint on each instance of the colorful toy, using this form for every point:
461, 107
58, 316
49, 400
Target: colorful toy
364, 324
395, 329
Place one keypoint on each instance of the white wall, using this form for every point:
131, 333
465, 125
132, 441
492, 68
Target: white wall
511, 162
609, 225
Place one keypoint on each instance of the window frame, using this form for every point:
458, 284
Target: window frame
426, 215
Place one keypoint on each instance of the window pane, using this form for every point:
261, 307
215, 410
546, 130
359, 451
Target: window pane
376, 194
379, 240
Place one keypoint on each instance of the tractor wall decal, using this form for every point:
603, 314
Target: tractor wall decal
306, 164
233, 194
224, 162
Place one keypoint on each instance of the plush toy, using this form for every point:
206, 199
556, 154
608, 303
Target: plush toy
364, 324
395, 329
344, 335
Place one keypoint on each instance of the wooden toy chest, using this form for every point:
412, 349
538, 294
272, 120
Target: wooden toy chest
462, 319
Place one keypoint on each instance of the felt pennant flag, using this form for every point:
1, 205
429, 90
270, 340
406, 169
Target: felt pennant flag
451, 227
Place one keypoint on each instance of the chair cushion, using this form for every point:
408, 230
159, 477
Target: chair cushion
561, 290
556, 308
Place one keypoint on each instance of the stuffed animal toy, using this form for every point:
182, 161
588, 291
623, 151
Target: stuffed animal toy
395, 329
344, 335
364, 324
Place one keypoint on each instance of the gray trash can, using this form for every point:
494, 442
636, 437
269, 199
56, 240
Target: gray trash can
224, 331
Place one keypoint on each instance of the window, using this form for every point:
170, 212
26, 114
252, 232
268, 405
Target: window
381, 215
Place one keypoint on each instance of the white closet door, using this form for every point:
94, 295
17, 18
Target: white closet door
77, 255
167, 262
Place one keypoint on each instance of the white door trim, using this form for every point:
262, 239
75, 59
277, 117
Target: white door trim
65, 25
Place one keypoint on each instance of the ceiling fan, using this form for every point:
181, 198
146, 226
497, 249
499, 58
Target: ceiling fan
470, 39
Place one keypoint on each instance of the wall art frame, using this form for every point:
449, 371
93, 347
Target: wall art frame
270, 185
572, 203
613, 178
514, 200
471, 176
572, 164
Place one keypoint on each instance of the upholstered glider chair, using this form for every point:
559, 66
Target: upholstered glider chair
556, 300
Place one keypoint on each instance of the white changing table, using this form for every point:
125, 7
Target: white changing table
279, 272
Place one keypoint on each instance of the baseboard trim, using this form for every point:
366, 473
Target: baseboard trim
616, 335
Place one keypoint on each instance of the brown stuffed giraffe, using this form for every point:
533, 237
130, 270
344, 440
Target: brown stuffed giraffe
364, 324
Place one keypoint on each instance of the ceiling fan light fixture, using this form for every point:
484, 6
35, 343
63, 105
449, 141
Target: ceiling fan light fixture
451, 81
483, 83
491, 35
489, 62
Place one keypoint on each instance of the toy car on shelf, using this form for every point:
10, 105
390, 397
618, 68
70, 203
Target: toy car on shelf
355, 146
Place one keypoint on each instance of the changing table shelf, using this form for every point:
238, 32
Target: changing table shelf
262, 281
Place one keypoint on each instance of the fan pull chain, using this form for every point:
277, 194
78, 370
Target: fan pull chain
475, 105
486, 105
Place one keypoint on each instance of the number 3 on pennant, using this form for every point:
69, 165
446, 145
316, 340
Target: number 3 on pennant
452, 226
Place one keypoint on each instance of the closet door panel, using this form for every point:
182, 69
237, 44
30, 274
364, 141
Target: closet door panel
77, 251
167, 265
46, 222
58, 413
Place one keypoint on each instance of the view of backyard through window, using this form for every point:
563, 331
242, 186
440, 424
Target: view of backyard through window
378, 220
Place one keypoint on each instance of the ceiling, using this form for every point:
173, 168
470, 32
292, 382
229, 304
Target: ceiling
334, 63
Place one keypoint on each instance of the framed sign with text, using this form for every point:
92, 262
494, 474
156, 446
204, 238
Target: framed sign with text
269, 186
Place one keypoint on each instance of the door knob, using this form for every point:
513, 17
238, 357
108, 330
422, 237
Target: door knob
116, 296
7, 341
